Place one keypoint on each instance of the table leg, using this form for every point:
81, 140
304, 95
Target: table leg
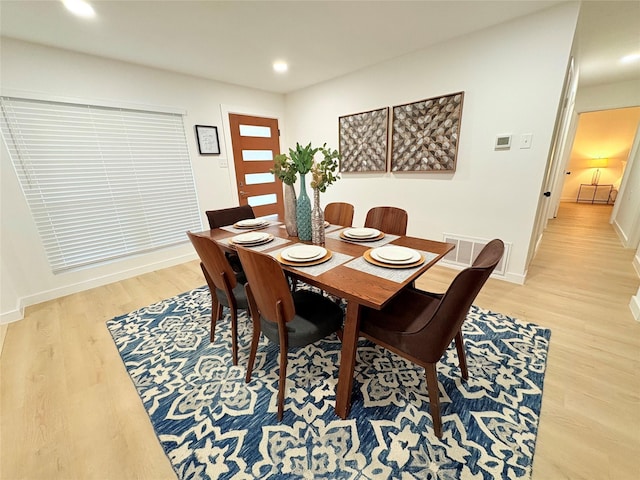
348, 359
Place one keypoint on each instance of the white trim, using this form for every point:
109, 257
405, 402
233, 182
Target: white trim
47, 295
620, 233
508, 277
12, 315
100, 102
634, 305
636, 264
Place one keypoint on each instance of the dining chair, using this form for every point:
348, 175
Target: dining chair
223, 284
391, 220
289, 319
419, 325
229, 216
339, 213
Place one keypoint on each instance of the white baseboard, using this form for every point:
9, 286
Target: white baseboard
621, 235
507, 277
636, 264
634, 305
23, 302
12, 316
515, 278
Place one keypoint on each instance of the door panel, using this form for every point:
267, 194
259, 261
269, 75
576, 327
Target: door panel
255, 142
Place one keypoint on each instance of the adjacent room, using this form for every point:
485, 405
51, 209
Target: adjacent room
319, 239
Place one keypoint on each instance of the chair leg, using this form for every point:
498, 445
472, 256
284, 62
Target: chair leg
462, 358
434, 398
216, 314
282, 382
254, 348
234, 335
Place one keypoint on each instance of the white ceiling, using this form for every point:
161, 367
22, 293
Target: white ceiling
237, 41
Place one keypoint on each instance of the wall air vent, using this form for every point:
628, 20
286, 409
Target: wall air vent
468, 248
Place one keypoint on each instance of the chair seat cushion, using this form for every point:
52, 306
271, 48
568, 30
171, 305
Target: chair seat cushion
234, 261
316, 317
406, 314
239, 293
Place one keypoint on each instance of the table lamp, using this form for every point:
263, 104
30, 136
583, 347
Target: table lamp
597, 163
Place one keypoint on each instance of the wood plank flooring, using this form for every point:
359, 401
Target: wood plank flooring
70, 411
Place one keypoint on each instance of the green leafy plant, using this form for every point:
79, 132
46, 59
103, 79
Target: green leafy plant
284, 169
323, 173
302, 157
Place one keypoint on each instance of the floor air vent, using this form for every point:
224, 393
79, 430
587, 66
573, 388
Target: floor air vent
468, 248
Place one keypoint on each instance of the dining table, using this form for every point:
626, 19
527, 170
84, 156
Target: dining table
347, 274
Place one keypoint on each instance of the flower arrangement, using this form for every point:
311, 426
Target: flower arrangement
323, 173
284, 169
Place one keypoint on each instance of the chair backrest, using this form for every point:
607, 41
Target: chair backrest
339, 213
229, 216
391, 220
454, 305
214, 262
269, 286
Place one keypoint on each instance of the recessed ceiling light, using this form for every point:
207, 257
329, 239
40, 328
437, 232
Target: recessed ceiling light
280, 67
80, 8
630, 58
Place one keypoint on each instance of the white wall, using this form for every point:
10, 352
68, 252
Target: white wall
512, 76
626, 212
26, 276
609, 96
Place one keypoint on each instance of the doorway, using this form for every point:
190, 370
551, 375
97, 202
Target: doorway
598, 158
255, 142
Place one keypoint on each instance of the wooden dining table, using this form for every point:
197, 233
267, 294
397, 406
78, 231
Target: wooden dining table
358, 288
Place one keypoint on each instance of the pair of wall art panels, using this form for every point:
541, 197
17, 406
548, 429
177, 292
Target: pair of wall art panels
424, 137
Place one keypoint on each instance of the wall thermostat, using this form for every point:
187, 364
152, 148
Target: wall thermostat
503, 142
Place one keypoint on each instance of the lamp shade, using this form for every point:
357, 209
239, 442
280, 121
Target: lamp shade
598, 162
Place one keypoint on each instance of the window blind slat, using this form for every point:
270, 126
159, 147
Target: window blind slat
101, 182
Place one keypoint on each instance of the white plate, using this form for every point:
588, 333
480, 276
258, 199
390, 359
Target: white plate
251, 222
250, 237
361, 232
303, 253
395, 255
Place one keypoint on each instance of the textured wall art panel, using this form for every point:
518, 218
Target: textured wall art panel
425, 134
363, 141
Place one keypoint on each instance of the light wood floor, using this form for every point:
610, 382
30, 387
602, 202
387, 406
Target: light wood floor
70, 411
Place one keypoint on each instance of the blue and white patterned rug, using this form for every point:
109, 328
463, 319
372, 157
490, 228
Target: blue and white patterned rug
212, 424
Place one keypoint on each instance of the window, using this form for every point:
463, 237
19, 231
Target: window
101, 182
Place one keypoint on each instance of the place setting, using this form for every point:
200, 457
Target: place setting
251, 224
304, 255
394, 256
248, 224
371, 237
361, 234
392, 262
251, 239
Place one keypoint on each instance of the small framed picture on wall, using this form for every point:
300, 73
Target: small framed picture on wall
208, 143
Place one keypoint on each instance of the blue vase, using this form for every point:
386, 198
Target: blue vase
303, 212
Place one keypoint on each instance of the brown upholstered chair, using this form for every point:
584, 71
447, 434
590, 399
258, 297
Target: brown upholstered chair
287, 319
391, 220
229, 216
339, 213
223, 285
420, 325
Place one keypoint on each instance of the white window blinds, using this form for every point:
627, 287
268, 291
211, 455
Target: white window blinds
101, 183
